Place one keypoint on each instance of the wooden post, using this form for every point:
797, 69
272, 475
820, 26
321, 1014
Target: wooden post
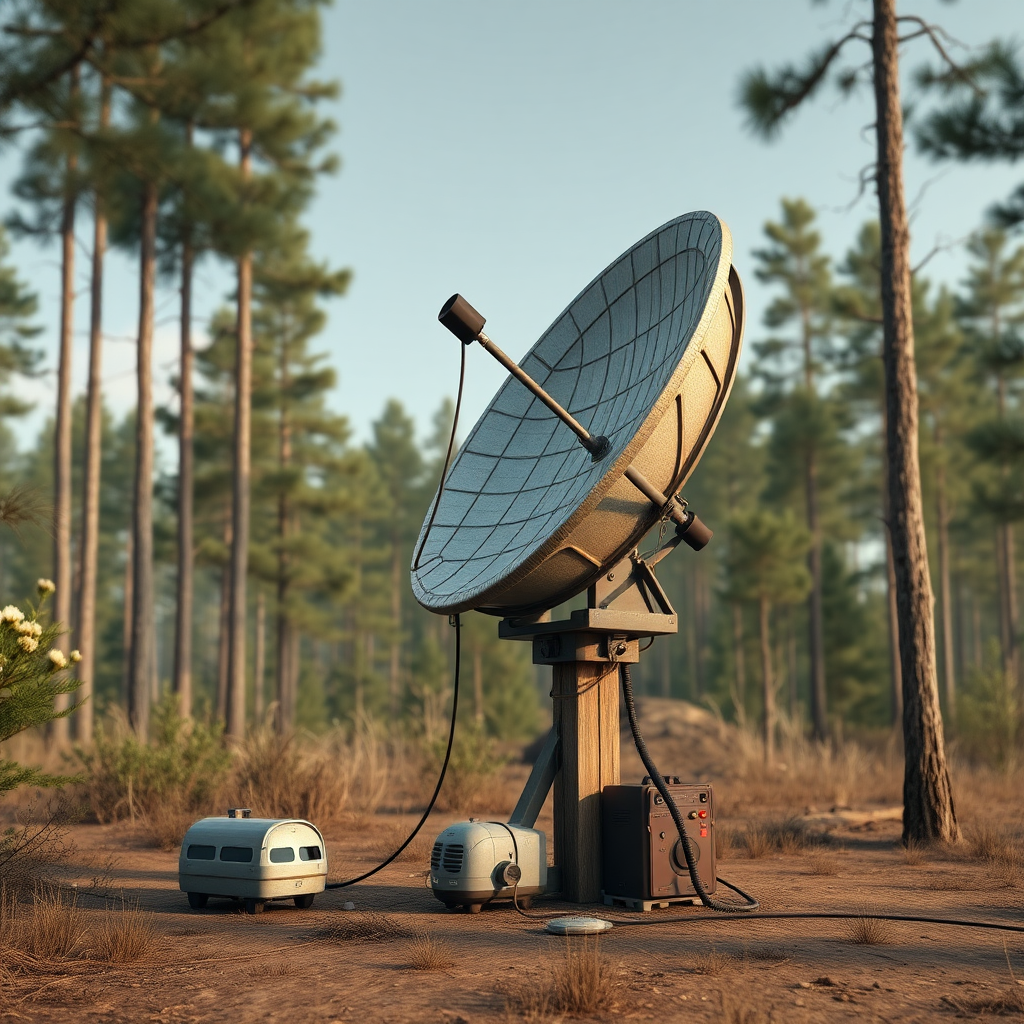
586, 715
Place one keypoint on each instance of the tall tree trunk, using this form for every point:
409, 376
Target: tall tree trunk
739, 661
1014, 677
241, 477
224, 628
140, 664
285, 634
259, 658
666, 670
394, 659
59, 729
892, 618
945, 590
928, 811
791, 656
815, 613
700, 624
126, 614
478, 686
185, 585
93, 462
767, 682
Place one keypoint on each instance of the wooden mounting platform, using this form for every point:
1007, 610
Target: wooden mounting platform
647, 905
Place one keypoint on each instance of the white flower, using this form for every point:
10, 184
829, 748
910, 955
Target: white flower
37, 630
28, 643
24, 627
45, 586
75, 656
58, 659
12, 614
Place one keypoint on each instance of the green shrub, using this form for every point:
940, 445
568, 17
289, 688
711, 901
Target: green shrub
32, 676
182, 766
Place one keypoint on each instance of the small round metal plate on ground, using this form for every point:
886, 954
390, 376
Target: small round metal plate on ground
578, 925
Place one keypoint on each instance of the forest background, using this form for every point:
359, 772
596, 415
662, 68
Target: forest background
279, 593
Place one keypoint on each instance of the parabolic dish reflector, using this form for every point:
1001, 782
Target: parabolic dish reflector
645, 355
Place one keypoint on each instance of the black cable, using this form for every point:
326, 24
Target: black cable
641, 748
457, 623
447, 460
819, 915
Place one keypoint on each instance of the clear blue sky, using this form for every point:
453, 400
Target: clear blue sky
510, 150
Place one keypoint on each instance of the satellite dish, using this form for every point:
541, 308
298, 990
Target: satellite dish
644, 359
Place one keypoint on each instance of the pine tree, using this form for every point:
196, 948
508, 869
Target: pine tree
794, 261
399, 463
302, 567
18, 356
764, 566
983, 118
928, 801
993, 314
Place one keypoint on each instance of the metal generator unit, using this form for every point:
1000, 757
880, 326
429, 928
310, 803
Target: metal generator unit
474, 862
255, 860
642, 855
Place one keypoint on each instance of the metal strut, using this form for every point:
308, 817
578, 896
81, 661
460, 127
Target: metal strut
468, 326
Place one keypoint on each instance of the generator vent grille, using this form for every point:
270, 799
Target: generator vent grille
435, 856
452, 858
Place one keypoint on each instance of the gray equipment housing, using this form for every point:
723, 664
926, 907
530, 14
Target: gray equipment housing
252, 859
470, 863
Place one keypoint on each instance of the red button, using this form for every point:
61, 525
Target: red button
702, 814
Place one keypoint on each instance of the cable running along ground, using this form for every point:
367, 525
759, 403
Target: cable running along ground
457, 623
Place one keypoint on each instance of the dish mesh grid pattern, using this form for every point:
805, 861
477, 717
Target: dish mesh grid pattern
521, 473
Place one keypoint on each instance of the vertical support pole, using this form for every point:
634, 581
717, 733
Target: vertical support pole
586, 715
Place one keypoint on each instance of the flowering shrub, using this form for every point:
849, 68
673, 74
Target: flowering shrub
32, 674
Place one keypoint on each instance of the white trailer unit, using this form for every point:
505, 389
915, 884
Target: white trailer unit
252, 859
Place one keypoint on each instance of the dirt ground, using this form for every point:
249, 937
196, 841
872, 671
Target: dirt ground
219, 965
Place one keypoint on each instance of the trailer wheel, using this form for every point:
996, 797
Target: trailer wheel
305, 901
254, 906
197, 900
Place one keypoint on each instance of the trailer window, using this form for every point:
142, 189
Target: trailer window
200, 851
282, 855
238, 854
309, 853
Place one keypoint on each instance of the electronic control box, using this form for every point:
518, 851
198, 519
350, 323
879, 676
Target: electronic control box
642, 855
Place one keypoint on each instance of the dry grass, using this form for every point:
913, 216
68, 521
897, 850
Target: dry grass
168, 822
364, 926
807, 773
737, 1010
318, 778
126, 936
871, 931
581, 984
55, 926
388, 840
789, 836
1009, 1001
529, 1001
958, 881
914, 853
711, 962
823, 864
430, 953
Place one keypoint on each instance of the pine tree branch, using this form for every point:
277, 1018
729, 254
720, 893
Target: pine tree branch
768, 99
957, 71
